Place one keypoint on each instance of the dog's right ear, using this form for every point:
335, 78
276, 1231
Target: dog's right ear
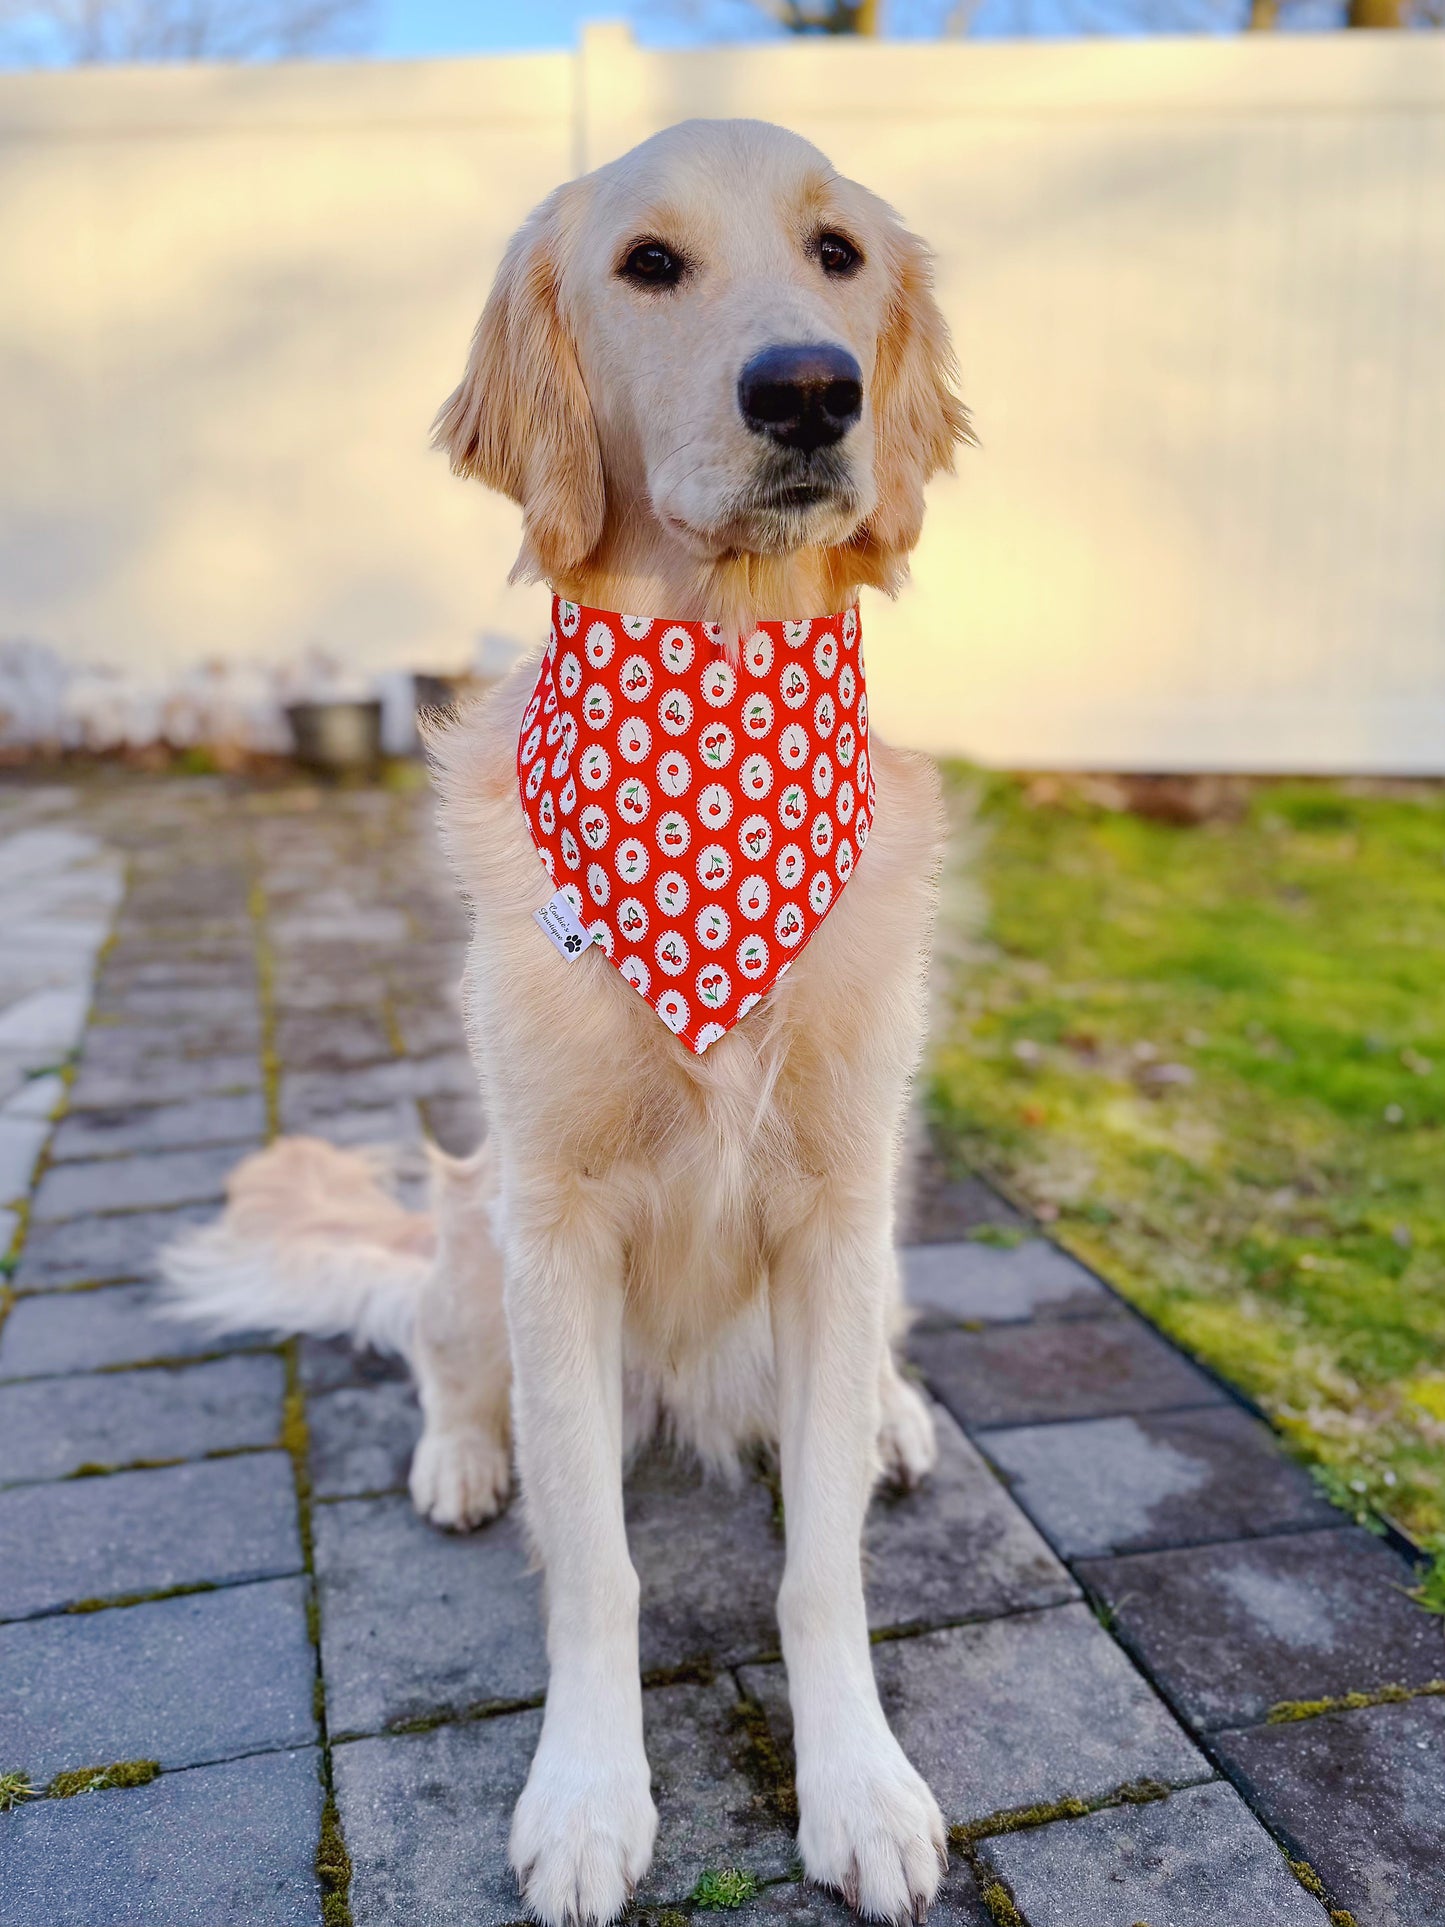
521, 421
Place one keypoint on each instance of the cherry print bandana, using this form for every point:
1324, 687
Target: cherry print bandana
701, 817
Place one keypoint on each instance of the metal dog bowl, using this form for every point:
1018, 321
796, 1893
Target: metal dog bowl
338, 739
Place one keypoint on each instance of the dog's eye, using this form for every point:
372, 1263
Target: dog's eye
837, 255
651, 265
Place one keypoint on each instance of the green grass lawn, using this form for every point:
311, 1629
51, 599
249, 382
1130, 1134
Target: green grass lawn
1214, 1058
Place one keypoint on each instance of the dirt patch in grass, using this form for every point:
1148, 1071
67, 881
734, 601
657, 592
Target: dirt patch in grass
1212, 1056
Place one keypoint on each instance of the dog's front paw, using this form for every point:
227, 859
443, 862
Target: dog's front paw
870, 1829
907, 1438
582, 1837
459, 1479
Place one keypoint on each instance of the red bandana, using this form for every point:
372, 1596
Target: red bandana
700, 818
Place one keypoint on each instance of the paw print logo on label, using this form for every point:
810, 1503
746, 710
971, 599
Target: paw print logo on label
676, 651
759, 653
821, 835
674, 712
716, 744
599, 884
637, 679
714, 867
670, 951
755, 838
633, 800
567, 801
822, 775
599, 645
754, 896
634, 739
571, 855
825, 714
844, 804
825, 655
674, 773
847, 686
637, 973
793, 746
597, 707
632, 920
843, 861
569, 675
536, 777
846, 744
793, 685
569, 615
714, 807
547, 812
820, 893
757, 716
595, 766
636, 627
674, 833
707, 1035
670, 893
631, 860
594, 825
531, 743
752, 959
788, 925
712, 927
756, 777
713, 985
793, 807
672, 1009
795, 634
790, 867
719, 681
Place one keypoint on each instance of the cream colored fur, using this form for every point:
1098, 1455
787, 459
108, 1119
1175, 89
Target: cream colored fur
654, 1240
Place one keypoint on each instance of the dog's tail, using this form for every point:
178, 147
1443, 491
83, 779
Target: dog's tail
311, 1241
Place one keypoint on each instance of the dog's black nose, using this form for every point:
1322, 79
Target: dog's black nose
801, 397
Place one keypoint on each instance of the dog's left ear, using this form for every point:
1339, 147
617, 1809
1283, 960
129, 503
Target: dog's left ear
521, 421
918, 418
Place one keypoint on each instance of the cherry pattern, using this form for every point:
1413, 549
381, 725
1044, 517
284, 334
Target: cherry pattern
723, 804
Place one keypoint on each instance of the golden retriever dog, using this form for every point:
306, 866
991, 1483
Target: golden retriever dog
653, 1240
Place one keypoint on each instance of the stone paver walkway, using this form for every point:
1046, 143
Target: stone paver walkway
208, 1561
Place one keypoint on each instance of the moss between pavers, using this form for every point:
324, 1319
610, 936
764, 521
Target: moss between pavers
762, 1762
115, 1601
1284, 1711
723, 1888
15, 1787
1071, 1807
1000, 1904
100, 1779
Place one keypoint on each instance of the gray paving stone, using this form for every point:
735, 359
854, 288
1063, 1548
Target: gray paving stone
1015, 1711
416, 1622
458, 1124
137, 1051
333, 1039
1079, 1368
166, 1080
1198, 1859
95, 1250
218, 1521
160, 1127
309, 1095
426, 1818
52, 1427
218, 1846
957, 1548
395, 1126
979, 1281
204, 1677
709, 1561
326, 1363
940, 1205
1156, 1479
432, 1025
792, 1903
83, 1331
227, 1004
362, 1438
1230, 1629
135, 1183
1361, 1796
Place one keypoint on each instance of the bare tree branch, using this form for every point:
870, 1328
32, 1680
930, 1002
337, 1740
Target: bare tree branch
75, 33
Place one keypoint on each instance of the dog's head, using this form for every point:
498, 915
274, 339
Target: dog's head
721, 334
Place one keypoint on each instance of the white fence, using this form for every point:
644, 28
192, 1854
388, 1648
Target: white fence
1198, 289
